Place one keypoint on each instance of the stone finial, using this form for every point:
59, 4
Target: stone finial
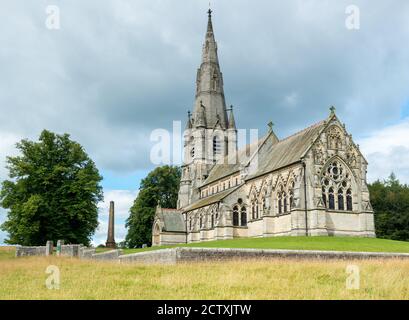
270, 125
232, 121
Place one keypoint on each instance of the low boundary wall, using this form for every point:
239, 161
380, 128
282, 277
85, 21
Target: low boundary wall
178, 255
184, 254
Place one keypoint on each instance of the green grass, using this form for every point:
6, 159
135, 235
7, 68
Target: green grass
300, 243
7, 252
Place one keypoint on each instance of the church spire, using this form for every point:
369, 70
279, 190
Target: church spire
209, 83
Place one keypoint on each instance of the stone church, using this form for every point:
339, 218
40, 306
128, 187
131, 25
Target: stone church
310, 183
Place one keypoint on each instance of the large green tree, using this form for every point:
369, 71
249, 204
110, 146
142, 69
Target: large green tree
52, 194
390, 201
159, 187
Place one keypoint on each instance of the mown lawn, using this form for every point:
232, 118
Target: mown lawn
301, 243
25, 278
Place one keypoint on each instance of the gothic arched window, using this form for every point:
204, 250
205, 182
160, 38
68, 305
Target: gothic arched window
291, 194
349, 200
341, 199
280, 203
285, 202
217, 147
324, 197
336, 179
235, 216
331, 199
243, 217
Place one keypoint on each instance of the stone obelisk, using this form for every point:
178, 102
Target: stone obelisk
111, 226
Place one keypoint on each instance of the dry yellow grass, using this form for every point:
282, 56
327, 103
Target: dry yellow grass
24, 278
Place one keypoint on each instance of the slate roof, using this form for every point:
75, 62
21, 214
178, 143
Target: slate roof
210, 200
290, 150
172, 219
223, 169
272, 155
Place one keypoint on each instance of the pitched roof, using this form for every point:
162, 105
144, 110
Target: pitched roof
271, 155
224, 169
290, 150
210, 200
172, 219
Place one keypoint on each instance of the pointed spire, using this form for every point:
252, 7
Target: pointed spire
209, 23
232, 122
209, 85
210, 46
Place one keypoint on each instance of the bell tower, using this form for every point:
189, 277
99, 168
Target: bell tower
210, 133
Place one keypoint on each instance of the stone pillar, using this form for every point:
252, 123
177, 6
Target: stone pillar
60, 243
111, 226
49, 248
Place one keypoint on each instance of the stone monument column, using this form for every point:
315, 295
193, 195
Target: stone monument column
111, 226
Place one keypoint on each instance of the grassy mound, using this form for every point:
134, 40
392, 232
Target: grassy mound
300, 243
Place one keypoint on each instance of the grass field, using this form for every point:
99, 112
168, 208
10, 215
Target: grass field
24, 278
301, 243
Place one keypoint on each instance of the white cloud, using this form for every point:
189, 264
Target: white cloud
387, 150
8, 141
123, 201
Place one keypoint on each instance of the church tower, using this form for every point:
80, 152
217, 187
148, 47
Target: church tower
210, 133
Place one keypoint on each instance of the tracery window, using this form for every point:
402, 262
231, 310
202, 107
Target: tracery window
341, 205
235, 216
280, 203
331, 199
291, 194
336, 179
285, 202
243, 217
349, 200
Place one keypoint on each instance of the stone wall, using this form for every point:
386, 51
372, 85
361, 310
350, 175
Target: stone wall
86, 253
164, 256
30, 251
108, 255
181, 255
70, 250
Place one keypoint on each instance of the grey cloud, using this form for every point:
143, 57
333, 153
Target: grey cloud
117, 70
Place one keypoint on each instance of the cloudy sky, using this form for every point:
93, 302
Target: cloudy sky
117, 69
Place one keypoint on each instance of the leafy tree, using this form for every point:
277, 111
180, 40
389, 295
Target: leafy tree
52, 193
390, 201
160, 186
